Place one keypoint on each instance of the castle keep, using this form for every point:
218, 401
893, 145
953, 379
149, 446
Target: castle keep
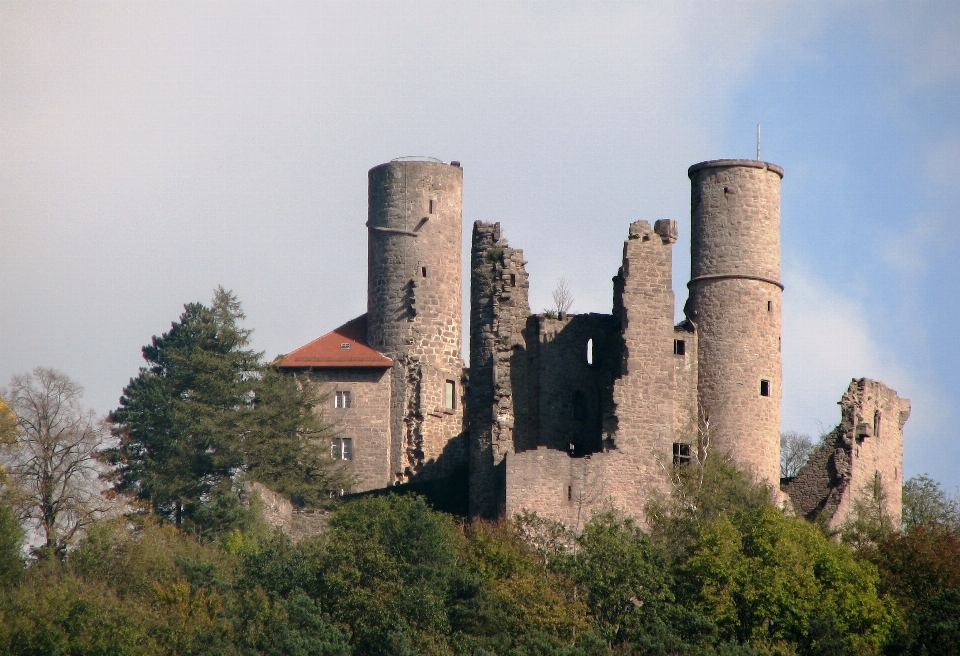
562, 413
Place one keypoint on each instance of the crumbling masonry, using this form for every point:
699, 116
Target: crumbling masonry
566, 414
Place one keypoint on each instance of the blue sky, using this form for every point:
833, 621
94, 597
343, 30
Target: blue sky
151, 151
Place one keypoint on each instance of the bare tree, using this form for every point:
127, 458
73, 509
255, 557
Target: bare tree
795, 450
53, 466
562, 296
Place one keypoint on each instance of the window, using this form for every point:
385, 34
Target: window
513, 280
769, 306
341, 400
679, 347
681, 453
876, 423
590, 351
423, 271
449, 395
764, 388
431, 207
345, 345
341, 448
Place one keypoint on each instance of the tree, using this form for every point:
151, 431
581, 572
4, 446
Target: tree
8, 423
562, 296
179, 421
925, 502
53, 464
205, 413
287, 443
795, 450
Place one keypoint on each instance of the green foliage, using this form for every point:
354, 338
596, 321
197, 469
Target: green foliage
11, 539
180, 421
920, 568
387, 572
205, 412
703, 492
628, 586
925, 502
870, 521
287, 444
776, 581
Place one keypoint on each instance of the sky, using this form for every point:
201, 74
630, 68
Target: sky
151, 151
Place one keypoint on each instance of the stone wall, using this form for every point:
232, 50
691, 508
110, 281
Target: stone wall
414, 304
366, 421
499, 311
616, 448
735, 304
866, 446
295, 522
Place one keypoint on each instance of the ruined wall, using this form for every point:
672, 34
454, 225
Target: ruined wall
499, 396
632, 375
577, 358
366, 421
735, 304
295, 522
413, 303
866, 446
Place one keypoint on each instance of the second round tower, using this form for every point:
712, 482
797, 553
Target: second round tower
735, 303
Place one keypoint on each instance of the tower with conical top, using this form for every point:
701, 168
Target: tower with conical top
735, 303
414, 304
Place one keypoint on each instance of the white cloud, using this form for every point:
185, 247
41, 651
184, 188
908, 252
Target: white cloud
827, 341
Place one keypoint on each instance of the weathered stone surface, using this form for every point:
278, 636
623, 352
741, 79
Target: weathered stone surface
414, 315
866, 446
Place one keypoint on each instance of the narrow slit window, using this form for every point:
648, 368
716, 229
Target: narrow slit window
431, 207
513, 280
342, 400
876, 423
769, 306
764, 388
679, 347
449, 395
681, 453
590, 351
569, 493
423, 271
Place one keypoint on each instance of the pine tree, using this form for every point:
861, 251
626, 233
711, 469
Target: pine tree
180, 421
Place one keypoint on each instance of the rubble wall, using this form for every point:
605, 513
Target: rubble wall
498, 394
866, 447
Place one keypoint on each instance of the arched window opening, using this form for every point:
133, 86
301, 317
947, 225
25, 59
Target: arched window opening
590, 351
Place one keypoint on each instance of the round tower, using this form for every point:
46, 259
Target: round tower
735, 302
413, 301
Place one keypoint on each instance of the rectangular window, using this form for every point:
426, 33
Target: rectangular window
431, 207
679, 347
341, 400
769, 306
341, 448
449, 395
681, 453
764, 388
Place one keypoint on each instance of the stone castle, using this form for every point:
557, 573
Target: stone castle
562, 413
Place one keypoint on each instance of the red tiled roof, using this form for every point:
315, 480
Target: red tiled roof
345, 346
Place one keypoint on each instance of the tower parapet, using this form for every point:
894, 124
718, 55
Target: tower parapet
735, 303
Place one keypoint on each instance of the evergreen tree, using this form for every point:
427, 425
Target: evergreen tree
206, 413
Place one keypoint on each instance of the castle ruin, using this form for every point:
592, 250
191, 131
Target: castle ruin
562, 414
